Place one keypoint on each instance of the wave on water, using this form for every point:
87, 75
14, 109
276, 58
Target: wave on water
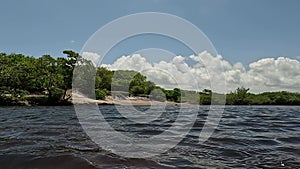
246, 137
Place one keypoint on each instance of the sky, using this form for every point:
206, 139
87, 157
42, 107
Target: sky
241, 31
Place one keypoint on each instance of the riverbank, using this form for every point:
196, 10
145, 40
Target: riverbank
43, 100
129, 100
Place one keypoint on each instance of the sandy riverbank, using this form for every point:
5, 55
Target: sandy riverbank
109, 100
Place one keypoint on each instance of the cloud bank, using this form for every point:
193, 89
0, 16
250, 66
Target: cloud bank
268, 74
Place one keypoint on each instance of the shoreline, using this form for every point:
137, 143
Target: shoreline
41, 100
126, 101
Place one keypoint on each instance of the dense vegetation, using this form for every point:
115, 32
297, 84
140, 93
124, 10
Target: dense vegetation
241, 96
47, 81
22, 75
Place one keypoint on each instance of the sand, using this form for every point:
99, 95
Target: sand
128, 100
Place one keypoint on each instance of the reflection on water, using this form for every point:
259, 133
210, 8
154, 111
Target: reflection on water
247, 137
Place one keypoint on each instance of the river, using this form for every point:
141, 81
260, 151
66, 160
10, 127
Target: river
246, 137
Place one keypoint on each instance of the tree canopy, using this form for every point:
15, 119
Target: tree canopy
49, 79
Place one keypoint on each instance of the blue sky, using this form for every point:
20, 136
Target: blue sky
242, 31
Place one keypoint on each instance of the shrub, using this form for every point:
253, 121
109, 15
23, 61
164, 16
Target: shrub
137, 90
55, 94
101, 94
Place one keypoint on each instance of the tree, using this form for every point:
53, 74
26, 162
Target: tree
149, 87
103, 78
158, 95
101, 94
239, 97
49, 75
137, 90
67, 66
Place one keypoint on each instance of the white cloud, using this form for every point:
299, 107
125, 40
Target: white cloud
274, 74
134, 62
94, 57
269, 74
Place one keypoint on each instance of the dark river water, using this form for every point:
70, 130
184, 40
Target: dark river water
247, 137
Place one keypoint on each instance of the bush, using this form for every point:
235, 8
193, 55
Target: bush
19, 93
55, 94
101, 94
205, 99
137, 90
6, 100
158, 95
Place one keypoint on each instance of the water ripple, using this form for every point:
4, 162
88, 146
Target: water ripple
246, 137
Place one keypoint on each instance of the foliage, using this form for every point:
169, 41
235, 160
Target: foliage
137, 90
158, 95
19, 93
101, 94
127, 80
173, 95
103, 78
239, 97
55, 94
23, 77
205, 98
242, 96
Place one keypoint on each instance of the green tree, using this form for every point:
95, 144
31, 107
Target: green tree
66, 67
205, 97
101, 94
176, 95
239, 97
103, 78
137, 90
